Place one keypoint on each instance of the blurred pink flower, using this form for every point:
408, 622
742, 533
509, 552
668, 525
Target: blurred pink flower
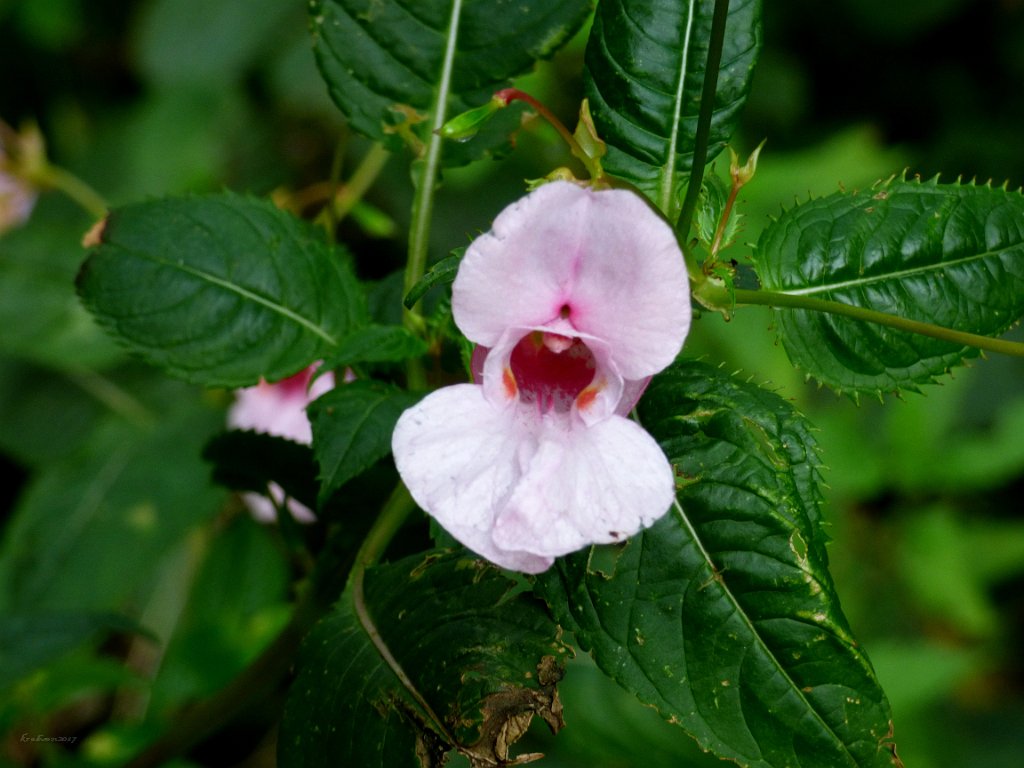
576, 298
17, 197
279, 409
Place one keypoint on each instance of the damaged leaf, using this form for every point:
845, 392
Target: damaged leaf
472, 661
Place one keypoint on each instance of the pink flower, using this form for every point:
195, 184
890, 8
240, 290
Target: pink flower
578, 297
279, 409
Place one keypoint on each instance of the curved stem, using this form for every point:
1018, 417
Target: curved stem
352, 191
789, 301
52, 177
391, 518
707, 108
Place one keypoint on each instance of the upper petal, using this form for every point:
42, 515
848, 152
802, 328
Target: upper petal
460, 458
603, 255
519, 273
585, 486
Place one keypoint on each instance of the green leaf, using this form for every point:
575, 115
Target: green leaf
482, 654
376, 344
442, 273
947, 254
723, 615
221, 290
43, 320
248, 461
31, 641
91, 531
394, 62
645, 66
352, 426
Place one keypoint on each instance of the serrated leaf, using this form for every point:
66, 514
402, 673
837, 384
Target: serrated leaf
248, 461
220, 290
947, 254
352, 426
484, 656
645, 65
723, 615
392, 62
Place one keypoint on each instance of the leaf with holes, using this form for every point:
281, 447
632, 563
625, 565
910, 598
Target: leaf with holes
480, 658
950, 255
645, 66
220, 290
723, 615
395, 65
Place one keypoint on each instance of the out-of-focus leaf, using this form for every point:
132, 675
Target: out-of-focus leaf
483, 655
30, 641
947, 254
644, 75
41, 319
352, 426
221, 290
723, 615
390, 63
207, 43
89, 532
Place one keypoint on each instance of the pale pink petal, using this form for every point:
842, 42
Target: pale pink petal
632, 289
460, 458
279, 408
600, 259
520, 272
264, 510
583, 486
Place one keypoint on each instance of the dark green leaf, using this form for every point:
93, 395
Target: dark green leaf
248, 461
443, 273
644, 74
30, 641
388, 62
376, 344
220, 290
947, 254
352, 426
484, 656
723, 615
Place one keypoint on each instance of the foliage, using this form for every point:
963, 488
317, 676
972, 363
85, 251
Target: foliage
231, 191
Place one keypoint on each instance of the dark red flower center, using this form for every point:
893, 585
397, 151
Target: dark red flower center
551, 370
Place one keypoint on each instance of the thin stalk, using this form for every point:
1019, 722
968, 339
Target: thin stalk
352, 191
52, 177
707, 108
391, 518
508, 95
423, 202
113, 396
774, 299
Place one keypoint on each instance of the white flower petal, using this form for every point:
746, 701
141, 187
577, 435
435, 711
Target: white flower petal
592, 485
460, 458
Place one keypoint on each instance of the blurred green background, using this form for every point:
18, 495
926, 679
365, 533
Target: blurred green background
925, 493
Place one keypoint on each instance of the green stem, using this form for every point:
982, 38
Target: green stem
789, 301
423, 202
361, 181
113, 396
707, 108
391, 518
52, 177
